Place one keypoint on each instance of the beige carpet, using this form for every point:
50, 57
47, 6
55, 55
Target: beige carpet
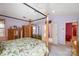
59, 50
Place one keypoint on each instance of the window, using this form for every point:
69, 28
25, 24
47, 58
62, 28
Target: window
35, 30
2, 28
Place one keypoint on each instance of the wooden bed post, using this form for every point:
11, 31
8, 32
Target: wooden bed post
75, 42
46, 31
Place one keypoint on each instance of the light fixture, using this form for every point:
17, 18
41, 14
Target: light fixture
53, 11
34, 28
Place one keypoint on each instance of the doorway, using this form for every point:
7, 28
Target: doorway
71, 32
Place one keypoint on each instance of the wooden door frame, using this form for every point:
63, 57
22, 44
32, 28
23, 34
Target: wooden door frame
65, 29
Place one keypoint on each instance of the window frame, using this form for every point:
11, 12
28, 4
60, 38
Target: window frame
3, 20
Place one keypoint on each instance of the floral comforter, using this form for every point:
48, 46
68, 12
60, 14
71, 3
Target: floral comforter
24, 47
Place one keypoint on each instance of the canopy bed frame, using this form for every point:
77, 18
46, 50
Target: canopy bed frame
23, 33
21, 38
26, 30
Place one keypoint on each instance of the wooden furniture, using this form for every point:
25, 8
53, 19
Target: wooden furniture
14, 33
27, 30
17, 32
11, 34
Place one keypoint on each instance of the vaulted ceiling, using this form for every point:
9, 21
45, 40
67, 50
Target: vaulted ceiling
21, 11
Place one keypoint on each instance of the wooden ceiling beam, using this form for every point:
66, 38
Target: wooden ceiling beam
13, 17
26, 20
34, 9
39, 19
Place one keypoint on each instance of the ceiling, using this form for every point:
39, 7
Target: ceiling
67, 9
19, 10
22, 11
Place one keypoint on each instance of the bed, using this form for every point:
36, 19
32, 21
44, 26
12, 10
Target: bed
24, 47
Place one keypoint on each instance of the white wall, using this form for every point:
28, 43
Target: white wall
60, 22
58, 27
11, 22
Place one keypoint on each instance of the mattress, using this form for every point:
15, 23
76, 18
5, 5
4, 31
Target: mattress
24, 47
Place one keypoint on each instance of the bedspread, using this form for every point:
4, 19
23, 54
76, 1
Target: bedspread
24, 47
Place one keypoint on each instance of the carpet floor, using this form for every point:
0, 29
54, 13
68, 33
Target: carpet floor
59, 50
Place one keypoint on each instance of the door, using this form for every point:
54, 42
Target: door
68, 32
72, 36
71, 32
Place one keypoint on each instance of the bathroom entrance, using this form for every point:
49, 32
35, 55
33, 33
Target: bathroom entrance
71, 32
